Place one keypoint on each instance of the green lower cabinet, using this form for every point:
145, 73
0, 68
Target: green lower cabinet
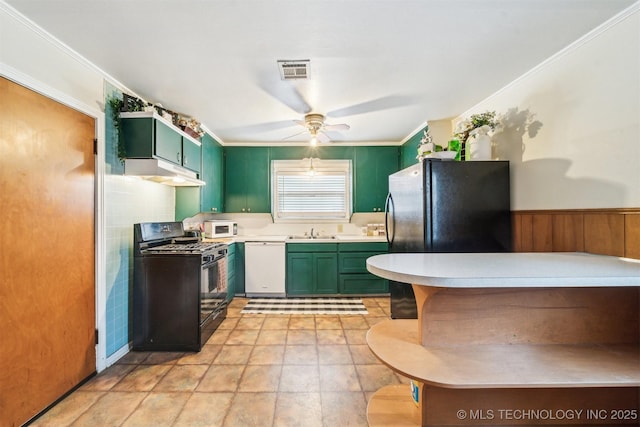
333, 268
239, 267
312, 269
363, 283
326, 273
354, 278
231, 272
300, 278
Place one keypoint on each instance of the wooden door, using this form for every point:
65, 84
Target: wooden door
47, 280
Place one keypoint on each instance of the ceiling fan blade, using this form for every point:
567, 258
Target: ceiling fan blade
383, 103
323, 137
337, 126
287, 94
261, 127
295, 134
301, 123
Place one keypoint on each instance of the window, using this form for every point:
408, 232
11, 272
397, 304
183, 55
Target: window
311, 189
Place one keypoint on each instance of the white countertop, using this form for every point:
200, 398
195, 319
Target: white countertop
339, 238
281, 239
360, 238
504, 270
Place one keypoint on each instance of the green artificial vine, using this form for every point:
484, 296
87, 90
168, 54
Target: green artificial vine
116, 104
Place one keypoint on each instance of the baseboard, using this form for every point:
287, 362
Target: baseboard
119, 354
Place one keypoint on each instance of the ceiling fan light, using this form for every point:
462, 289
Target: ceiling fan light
313, 141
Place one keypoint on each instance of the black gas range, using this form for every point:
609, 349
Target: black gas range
180, 288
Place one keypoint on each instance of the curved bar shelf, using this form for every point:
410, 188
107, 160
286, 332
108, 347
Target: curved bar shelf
545, 333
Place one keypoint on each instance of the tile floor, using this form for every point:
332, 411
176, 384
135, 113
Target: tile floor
256, 370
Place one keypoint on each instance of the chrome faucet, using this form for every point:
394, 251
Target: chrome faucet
312, 232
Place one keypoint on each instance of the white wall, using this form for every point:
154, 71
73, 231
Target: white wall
34, 59
31, 52
441, 131
583, 111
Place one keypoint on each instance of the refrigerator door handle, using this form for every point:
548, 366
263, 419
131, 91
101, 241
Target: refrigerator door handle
388, 211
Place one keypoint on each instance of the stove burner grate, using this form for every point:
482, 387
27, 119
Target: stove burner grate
197, 247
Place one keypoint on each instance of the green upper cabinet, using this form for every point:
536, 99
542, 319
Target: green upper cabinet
168, 142
373, 165
247, 180
146, 135
187, 202
211, 199
191, 154
409, 150
207, 198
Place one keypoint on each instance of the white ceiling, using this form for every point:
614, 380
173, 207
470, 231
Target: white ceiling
382, 66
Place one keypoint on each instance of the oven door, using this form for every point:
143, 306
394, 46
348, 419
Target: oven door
213, 287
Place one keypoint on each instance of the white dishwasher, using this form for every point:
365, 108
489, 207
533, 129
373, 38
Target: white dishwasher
264, 270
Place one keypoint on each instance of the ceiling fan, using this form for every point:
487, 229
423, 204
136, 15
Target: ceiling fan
314, 124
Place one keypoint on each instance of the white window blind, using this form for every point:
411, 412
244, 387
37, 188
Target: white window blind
301, 192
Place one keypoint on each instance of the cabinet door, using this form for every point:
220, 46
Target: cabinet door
373, 165
300, 273
363, 283
235, 199
168, 143
258, 180
247, 179
239, 279
138, 137
231, 272
191, 154
213, 174
354, 262
325, 273
187, 202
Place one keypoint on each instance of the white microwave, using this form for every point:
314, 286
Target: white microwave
220, 228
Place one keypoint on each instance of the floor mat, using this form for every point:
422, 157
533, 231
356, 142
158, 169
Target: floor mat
304, 306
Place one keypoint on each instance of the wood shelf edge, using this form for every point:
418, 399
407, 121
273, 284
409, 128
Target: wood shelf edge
394, 342
392, 406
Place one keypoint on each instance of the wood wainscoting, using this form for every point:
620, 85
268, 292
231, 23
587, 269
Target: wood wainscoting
598, 231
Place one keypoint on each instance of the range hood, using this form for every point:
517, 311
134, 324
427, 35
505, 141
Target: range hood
163, 172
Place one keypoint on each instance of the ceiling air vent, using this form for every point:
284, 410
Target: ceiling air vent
290, 70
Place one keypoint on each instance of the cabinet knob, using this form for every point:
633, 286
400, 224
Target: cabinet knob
248, 209
178, 157
242, 209
184, 160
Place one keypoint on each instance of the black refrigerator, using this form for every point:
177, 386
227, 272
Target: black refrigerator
446, 206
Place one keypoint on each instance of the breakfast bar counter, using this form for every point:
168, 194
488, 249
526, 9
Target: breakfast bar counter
512, 339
